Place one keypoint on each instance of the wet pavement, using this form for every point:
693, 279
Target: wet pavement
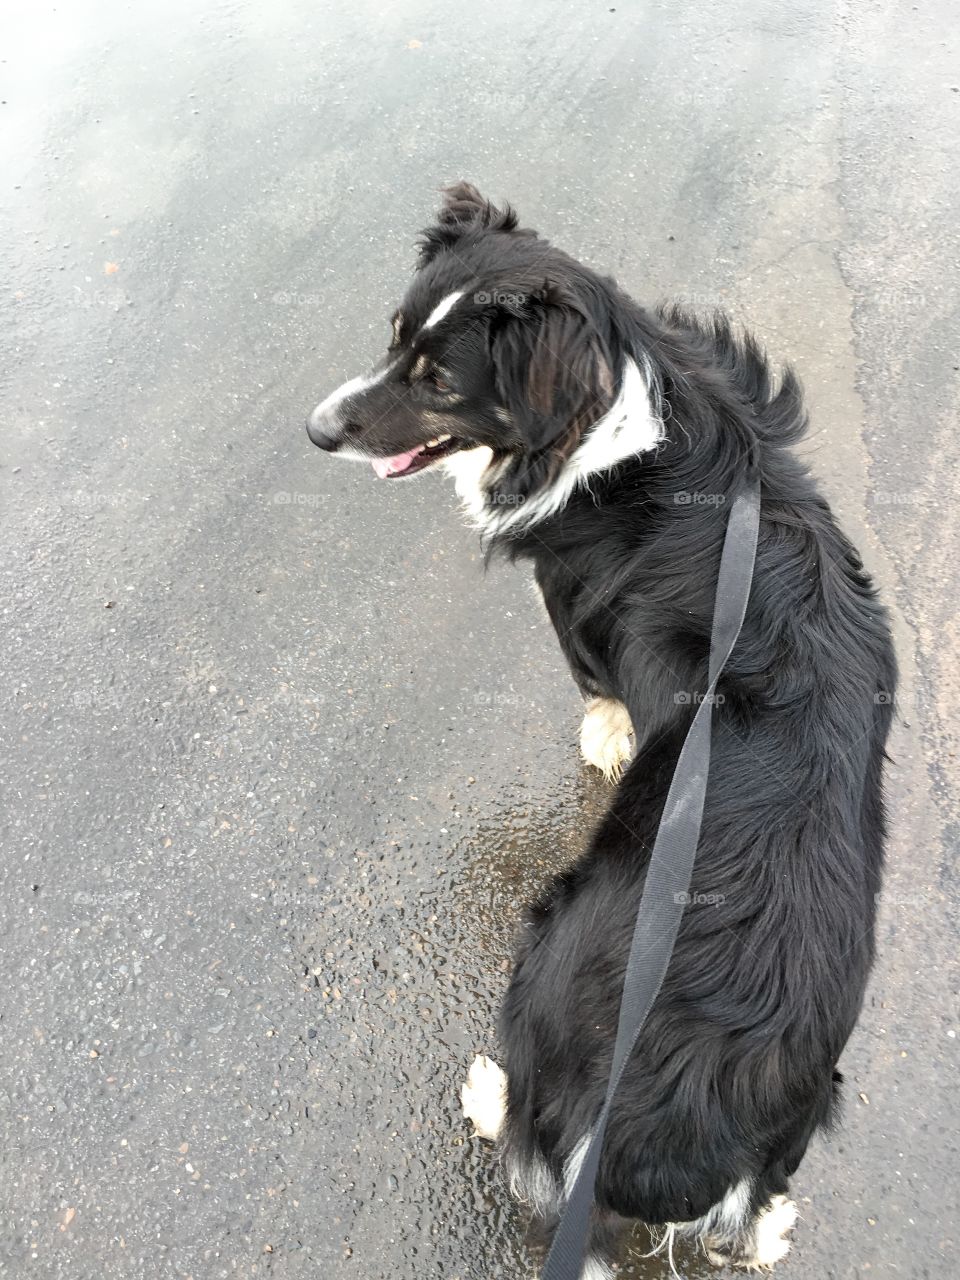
280, 763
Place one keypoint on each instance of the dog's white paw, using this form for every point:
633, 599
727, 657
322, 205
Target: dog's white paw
606, 736
770, 1245
773, 1224
484, 1097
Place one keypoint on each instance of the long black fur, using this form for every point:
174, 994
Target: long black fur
735, 1068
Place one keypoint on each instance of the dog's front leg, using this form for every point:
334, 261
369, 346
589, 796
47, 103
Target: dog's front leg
607, 739
484, 1097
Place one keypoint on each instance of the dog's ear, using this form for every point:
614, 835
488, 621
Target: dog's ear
463, 210
464, 205
554, 374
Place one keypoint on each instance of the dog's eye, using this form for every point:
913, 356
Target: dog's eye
438, 383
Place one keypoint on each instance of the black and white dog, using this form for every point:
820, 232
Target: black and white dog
602, 442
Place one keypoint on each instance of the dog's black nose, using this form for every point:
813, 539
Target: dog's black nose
324, 431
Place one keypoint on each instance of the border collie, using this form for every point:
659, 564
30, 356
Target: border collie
603, 442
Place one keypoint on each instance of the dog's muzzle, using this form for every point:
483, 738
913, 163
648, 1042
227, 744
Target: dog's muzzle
326, 426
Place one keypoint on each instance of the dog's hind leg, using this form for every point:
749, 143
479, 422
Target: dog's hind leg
607, 737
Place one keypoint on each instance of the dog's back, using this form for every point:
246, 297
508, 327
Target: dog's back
735, 1068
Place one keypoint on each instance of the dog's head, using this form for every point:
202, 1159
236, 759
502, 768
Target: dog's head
507, 362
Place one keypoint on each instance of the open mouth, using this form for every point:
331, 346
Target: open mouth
407, 464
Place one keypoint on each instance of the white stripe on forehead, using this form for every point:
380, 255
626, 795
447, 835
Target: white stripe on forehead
442, 309
352, 388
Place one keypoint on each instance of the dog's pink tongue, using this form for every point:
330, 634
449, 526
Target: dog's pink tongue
393, 466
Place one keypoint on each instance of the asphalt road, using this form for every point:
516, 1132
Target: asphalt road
279, 762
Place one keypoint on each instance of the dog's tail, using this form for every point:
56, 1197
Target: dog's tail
777, 402
783, 419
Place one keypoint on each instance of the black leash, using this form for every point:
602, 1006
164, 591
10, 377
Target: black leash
668, 876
